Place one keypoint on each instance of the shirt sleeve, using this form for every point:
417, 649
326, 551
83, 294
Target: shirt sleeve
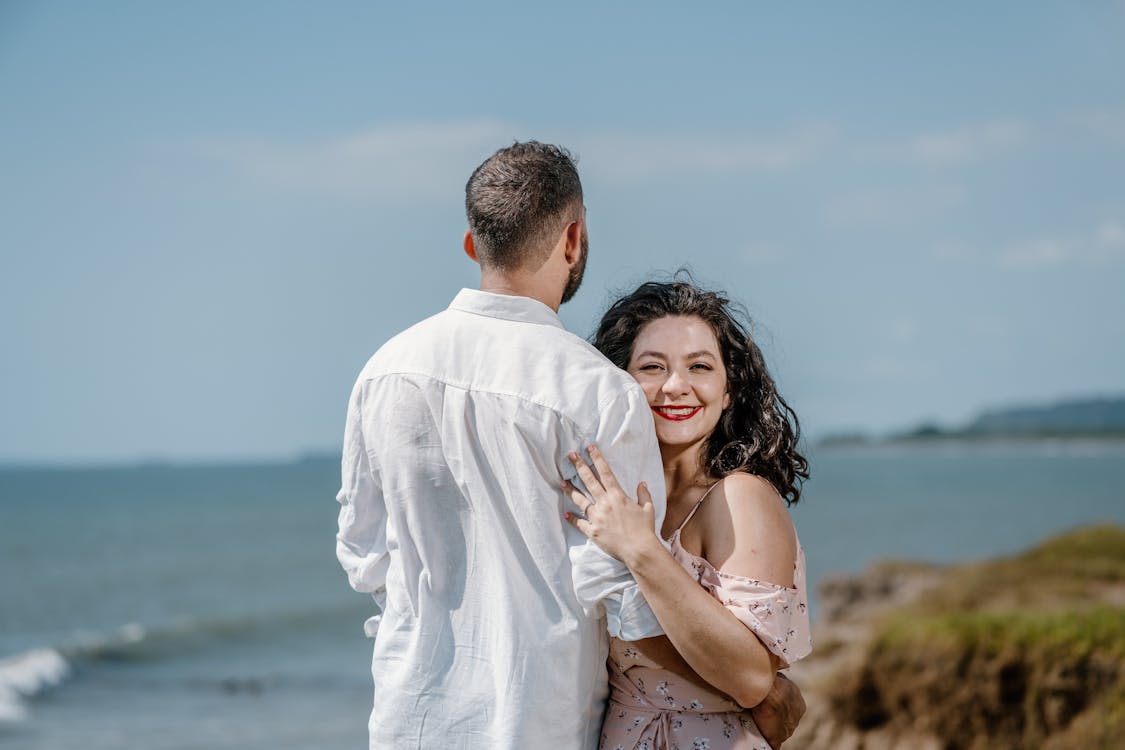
361, 541
626, 437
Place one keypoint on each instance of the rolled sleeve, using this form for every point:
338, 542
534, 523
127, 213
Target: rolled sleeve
361, 541
626, 437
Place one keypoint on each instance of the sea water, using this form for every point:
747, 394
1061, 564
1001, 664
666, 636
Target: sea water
202, 607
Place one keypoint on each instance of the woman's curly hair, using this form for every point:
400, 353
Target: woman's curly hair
758, 432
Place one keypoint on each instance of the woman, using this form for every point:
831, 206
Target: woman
731, 595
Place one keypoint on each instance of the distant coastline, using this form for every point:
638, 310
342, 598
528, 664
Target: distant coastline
1096, 419
1085, 419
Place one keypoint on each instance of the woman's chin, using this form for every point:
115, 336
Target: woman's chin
679, 440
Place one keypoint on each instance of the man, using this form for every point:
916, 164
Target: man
495, 613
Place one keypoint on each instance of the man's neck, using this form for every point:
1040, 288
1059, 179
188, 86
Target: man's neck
520, 285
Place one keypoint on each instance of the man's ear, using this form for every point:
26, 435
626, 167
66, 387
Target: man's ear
573, 240
470, 249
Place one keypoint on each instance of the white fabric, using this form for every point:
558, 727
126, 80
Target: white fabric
495, 612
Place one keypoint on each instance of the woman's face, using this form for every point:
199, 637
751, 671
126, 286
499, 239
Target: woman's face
678, 362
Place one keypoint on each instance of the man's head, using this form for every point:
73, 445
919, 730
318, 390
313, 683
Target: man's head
519, 203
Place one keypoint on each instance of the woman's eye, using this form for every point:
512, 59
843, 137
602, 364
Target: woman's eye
700, 366
651, 366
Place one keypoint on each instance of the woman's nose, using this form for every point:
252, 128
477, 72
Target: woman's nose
675, 385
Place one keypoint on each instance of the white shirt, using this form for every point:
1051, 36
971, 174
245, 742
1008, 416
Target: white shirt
495, 612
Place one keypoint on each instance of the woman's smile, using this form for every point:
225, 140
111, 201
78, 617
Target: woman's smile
677, 413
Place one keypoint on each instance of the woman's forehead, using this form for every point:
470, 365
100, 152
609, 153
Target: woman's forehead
677, 335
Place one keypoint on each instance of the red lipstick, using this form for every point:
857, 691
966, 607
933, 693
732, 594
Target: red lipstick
677, 413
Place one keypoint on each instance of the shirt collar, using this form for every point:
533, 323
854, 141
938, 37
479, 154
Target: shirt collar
505, 307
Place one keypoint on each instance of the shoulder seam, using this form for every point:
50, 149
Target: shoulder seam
464, 387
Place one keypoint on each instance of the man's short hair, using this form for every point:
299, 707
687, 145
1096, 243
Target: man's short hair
518, 201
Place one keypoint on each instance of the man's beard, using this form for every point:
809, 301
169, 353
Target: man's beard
575, 279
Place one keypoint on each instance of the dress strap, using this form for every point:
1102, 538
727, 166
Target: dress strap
691, 513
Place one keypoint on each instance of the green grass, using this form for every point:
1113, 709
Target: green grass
1025, 651
1074, 634
1064, 572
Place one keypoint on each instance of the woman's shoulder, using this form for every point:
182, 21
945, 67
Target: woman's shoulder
752, 487
748, 525
749, 495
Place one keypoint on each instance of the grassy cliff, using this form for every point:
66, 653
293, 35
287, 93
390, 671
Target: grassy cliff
1023, 652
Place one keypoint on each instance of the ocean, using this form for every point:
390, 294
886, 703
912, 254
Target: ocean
161, 607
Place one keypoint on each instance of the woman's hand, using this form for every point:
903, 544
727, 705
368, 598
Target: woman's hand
618, 524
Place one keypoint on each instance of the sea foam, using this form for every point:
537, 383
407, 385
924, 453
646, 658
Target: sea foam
25, 675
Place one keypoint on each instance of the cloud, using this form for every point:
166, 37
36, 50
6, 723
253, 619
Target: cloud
631, 156
1106, 125
954, 252
948, 148
762, 254
413, 159
893, 207
1097, 247
1101, 246
1110, 235
403, 160
989, 326
979, 142
903, 330
892, 367
1043, 251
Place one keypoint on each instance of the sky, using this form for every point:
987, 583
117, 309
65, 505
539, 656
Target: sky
212, 213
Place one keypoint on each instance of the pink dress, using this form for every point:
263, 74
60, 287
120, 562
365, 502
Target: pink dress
651, 708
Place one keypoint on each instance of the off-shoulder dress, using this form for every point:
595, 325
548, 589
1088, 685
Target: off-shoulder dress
652, 708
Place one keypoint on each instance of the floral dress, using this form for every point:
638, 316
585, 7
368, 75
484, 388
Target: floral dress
652, 708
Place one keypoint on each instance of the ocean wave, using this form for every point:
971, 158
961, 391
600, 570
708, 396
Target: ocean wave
30, 673
183, 635
25, 675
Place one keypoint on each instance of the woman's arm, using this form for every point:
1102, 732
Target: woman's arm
722, 650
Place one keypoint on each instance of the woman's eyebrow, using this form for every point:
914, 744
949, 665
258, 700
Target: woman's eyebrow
662, 355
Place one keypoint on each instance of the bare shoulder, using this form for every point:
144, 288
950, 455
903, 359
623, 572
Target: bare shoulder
748, 531
749, 501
